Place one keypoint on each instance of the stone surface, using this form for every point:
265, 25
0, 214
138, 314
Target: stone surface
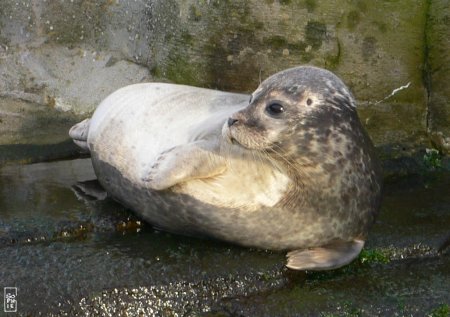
71, 255
57, 62
65, 79
71, 54
438, 72
25, 122
31, 132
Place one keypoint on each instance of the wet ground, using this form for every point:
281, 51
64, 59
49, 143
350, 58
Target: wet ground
69, 255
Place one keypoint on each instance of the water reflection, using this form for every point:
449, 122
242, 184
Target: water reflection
93, 247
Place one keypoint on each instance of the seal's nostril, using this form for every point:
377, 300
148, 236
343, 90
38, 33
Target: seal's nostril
231, 121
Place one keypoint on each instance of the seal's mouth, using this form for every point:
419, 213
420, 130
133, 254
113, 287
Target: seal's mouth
227, 134
235, 141
232, 140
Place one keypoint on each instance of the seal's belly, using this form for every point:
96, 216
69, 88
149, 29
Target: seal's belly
248, 184
177, 211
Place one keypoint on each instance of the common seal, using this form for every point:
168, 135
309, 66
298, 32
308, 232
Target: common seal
290, 169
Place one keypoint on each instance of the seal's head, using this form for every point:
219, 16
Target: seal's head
290, 106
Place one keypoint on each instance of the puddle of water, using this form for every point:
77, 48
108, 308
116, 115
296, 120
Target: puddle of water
69, 254
415, 210
41, 189
37, 201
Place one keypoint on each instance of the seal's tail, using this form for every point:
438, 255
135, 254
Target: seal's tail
79, 134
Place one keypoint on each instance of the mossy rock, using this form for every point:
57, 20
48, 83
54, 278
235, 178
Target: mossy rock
437, 73
236, 44
376, 47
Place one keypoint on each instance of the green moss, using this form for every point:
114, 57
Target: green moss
187, 38
353, 19
332, 61
311, 5
371, 256
348, 310
182, 71
232, 35
432, 159
369, 47
236, 76
5, 6
307, 56
156, 71
195, 14
315, 33
276, 42
361, 5
285, 2
426, 68
441, 311
177, 67
382, 27
366, 258
258, 25
297, 48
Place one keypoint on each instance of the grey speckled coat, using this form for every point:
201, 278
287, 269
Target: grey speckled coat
292, 169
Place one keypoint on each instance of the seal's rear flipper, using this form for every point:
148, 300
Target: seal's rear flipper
89, 190
79, 134
327, 257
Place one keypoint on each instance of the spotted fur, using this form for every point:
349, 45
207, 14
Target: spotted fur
306, 178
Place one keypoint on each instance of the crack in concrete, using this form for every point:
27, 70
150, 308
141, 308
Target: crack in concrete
393, 93
426, 67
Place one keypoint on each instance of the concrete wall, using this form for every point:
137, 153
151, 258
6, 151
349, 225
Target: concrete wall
60, 58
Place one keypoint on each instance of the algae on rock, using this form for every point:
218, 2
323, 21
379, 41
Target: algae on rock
437, 72
376, 47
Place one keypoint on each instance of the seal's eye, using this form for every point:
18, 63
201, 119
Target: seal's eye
275, 109
309, 102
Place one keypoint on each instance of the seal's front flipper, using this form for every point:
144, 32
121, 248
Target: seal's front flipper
79, 134
183, 163
89, 190
327, 257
